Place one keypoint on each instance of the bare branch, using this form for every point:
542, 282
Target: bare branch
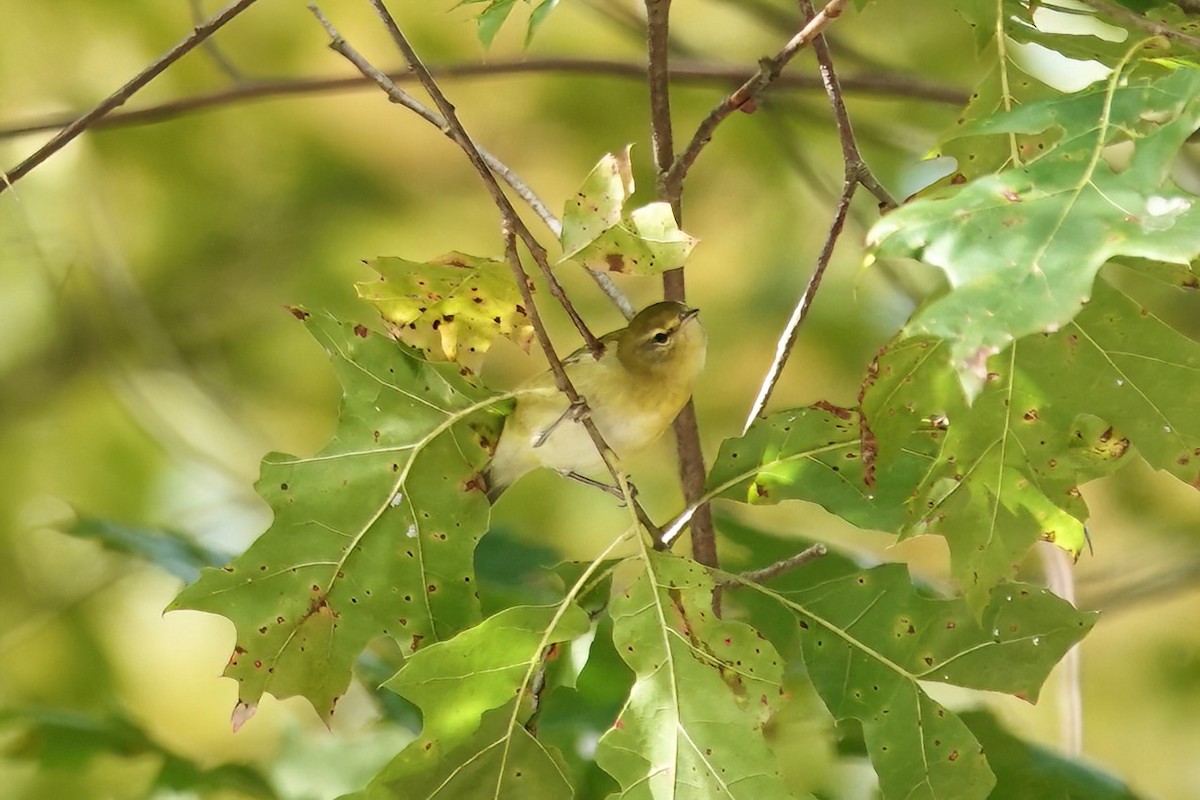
778, 568
459, 134
522, 189
856, 173
198, 35
690, 72
214, 52
768, 72
1062, 582
692, 471
787, 339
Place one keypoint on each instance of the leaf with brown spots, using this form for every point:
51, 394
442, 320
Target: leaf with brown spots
704, 688
451, 307
373, 536
1016, 269
870, 638
1059, 409
599, 232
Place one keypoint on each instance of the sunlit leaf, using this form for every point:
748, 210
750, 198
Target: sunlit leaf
816, 454
451, 307
473, 742
1056, 411
870, 638
1021, 248
373, 536
692, 727
599, 232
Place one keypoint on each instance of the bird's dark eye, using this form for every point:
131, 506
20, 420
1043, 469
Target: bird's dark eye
661, 337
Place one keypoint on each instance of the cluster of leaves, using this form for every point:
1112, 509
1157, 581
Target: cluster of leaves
1025, 377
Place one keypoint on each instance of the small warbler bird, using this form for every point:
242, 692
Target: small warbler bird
634, 391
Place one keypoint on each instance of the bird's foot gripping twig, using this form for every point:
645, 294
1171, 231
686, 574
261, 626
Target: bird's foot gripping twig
576, 411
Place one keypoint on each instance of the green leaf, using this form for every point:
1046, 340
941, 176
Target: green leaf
692, 727
870, 638
451, 307
491, 19
537, 17
170, 550
373, 536
1021, 248
473, 742
598, 232
816, 454
1056, 411
1025, 770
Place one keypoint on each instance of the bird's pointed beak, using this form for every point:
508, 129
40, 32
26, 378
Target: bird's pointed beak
691, 313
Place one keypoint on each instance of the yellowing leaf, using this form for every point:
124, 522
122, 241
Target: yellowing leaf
599, 233
451, 307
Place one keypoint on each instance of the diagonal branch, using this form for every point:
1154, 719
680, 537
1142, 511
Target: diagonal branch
856, 173
769, 71
811, 553
117, 98
522, 189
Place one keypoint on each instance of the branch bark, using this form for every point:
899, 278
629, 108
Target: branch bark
692, 471
856, 173
691, 72
744, 96
117, 98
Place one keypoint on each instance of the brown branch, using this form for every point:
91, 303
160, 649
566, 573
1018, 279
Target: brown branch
856, 173
117, 98
210, 47
693, 72
787, 339
1135, 20
692, 472
522, 189
778, 568
769, 71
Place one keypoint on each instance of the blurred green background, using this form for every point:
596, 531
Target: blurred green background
147, 362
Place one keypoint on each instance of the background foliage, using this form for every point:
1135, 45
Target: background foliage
148, 364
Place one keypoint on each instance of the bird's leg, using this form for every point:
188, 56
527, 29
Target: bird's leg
577, 410
615, 491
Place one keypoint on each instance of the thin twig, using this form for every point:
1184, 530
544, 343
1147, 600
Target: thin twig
691, 72
1135, 20
214, 52
779, 567
461, 138
768, 72
522, 189
198, 35
787, 339
856, 173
